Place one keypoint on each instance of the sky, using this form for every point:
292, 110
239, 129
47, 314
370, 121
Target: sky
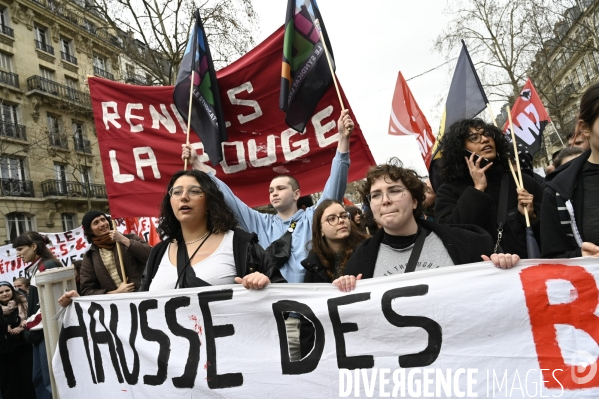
372, 41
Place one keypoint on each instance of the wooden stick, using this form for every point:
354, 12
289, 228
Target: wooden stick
558, 135
189, 114
326, 52
509, 115
514, 175
118, 249
491, 113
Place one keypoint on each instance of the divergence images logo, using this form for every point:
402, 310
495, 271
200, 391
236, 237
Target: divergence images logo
586, 363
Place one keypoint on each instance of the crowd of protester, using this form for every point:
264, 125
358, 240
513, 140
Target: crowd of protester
472, 209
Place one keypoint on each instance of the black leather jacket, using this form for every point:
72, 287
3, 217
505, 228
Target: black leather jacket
249, 257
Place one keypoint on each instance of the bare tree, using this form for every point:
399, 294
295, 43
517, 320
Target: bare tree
154, 33
498, 38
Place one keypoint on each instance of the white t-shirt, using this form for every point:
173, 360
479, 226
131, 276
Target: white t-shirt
217, 269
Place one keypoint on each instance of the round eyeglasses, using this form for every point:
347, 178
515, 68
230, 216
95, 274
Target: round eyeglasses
334, 219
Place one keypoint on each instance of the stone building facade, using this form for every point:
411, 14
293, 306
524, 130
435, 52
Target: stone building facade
51, 171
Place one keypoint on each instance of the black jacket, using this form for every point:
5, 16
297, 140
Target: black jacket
460, 203
557, 238
248, 255
464, 244
315, 270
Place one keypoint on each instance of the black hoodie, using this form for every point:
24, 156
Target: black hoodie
557, 238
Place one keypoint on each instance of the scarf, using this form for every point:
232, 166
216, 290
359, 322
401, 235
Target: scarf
103, 241
9, 307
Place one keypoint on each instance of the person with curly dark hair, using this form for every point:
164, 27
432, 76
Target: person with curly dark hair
406, 242
356, 218
100, 271
202, 244
479, 189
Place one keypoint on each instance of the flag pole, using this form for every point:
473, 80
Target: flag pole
118, 249
189, 114
491, 113
558, 135
509, 115
326, 52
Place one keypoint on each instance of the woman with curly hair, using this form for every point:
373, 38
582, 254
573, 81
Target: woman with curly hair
201, 242
406, 242
479, 189
334, 238
16, 355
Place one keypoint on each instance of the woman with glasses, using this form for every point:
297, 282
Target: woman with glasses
100, 271
479, 188
201, 244
334, 238
406, 242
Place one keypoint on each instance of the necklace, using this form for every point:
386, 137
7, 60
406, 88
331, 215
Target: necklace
202, 237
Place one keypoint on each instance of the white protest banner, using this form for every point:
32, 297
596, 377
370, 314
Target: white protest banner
68, 246
463, 331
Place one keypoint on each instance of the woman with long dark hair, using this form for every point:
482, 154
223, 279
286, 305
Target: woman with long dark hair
201, 242
15, 353
32, 248
570, 225
334, 239
479, 188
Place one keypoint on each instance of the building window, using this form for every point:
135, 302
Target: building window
42, 39
581, 77
100, 63
66, 48
69, 221
590, 70
130, 69
4, 27
47, 73
9, 122
5, 62
89, 26
12, 168
53, 123
18, 223
60, 172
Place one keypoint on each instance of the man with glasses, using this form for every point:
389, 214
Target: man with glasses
284, 193
479, 189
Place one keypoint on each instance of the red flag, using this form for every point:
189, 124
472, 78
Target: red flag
530, 118
407, 119
140, 135
131, 226
154, 237
347, 202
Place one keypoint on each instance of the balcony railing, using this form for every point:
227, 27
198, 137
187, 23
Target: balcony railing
68, 58
58, 139
103, 73
7, 31
75, 18
56, 89
82, 145
73, 189
44, 47
9, 78
13, 131
137, 80
16, 188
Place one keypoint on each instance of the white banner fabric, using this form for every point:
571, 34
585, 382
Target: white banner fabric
67, 247
463, 331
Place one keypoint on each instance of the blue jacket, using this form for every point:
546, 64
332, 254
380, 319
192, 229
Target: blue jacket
271, 227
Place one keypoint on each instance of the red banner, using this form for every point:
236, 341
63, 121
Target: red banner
407, 119
140, 135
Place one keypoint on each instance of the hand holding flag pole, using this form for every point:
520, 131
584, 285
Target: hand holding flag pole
118, 249
189, 114
326, 52
532, 247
